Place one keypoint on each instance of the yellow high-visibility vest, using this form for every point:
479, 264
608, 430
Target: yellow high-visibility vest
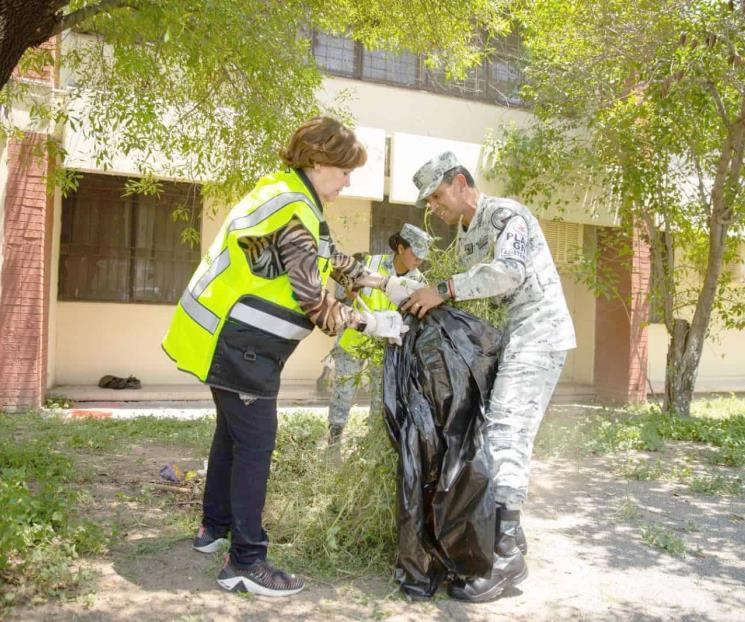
235, 329
375, 299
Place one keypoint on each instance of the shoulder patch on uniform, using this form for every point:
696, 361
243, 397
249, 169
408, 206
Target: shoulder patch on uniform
513, 243
500, 215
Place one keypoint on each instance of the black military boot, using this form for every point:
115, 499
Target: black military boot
509, 564
520, 539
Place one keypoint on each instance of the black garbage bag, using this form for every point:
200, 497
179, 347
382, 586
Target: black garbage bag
437, 386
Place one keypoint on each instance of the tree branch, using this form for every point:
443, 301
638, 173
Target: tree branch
718, 102
77, 17
703, 196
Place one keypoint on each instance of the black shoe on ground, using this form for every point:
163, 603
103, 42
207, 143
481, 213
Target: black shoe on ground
509, 566
259, 578
206, 542
506, 572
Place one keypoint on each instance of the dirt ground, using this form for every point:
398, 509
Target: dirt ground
588, 558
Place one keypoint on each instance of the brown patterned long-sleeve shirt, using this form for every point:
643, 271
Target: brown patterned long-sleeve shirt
293, 250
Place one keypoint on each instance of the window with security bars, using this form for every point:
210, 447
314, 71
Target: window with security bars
125, 248
337, 55
388, 218
399, 69
473, 86
497, 79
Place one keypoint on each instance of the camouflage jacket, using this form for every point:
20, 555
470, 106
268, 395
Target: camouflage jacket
508, 259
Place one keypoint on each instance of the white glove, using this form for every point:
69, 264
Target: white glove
399, 288
387, 324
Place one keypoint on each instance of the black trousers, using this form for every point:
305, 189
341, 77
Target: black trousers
238, 472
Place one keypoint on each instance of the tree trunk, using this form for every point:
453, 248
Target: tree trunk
24, 24
681, 370
687, 339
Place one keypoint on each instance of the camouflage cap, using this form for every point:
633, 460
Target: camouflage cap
418, 239
430, 174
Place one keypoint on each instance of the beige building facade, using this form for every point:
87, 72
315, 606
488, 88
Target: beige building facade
84, 339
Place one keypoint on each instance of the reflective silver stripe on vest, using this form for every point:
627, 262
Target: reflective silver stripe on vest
199, 313
324, 248
374, 265
273, 205
267, 322
216, 268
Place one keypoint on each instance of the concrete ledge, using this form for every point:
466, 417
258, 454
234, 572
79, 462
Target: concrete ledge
291, 393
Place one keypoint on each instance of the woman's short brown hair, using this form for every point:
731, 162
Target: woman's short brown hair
324, 140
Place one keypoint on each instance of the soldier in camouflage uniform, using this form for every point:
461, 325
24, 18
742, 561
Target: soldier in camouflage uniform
502, 247
410, 246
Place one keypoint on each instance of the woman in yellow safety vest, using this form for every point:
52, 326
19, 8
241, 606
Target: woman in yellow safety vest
255, 295
410, 247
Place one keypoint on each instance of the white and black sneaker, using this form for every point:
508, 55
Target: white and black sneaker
259, 578
206, 542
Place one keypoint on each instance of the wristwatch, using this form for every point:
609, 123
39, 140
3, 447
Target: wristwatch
443, 289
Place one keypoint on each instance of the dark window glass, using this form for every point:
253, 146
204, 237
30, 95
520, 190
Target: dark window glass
496, 80
473, 86
505, 75
125, 248
336, 55
398, 69
388, 218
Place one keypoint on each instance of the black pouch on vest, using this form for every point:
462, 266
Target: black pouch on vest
249, 360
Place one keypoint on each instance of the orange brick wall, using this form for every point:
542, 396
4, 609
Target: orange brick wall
24, 295
621, 341
50, 73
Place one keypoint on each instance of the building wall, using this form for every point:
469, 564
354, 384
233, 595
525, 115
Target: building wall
722, 366
79, 359
94, 339
3, 191
26, 265
621, 339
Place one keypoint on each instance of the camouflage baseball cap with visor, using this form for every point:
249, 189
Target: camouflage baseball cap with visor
429, 176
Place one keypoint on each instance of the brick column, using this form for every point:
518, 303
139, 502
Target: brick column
24, 295
621, 339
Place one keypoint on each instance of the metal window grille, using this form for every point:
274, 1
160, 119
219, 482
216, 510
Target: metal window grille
496, 80
337, 55
399, 69
505, 76
473, 86
388, 218
125, 248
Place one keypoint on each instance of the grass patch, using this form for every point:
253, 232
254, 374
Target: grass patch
664, 539
331, 516
326, 516
41, 534
716, 422
44, 531
106, 435
642, 470
717, 484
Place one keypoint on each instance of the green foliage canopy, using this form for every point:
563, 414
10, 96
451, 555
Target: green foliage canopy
214, 87
641, 106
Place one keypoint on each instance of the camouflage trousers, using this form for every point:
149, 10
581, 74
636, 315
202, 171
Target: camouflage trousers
522, 389
348, 373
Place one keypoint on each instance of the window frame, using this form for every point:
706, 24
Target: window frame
187, 260
424, 78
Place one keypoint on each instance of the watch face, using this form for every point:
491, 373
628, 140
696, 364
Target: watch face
442, 288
